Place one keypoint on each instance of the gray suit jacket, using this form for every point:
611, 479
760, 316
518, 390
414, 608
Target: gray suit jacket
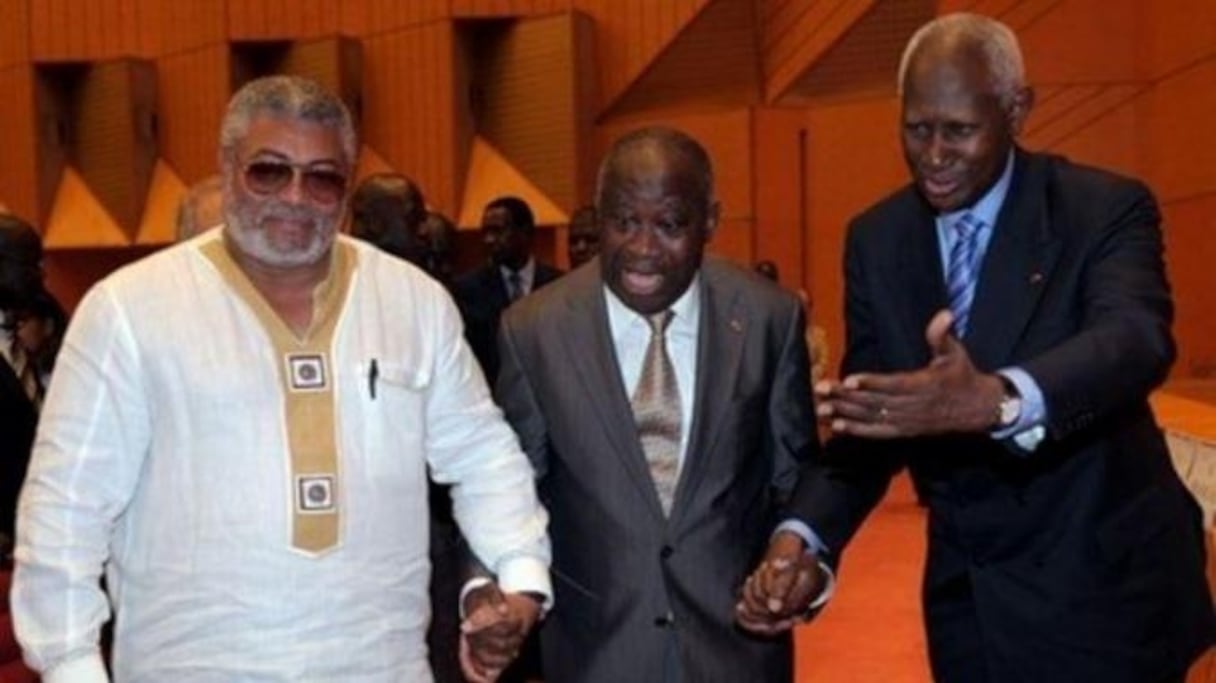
627, 579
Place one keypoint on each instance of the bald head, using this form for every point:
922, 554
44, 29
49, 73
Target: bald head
973, 37
647, 145
388, 210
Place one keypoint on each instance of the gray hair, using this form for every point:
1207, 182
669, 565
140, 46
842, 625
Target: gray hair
995, 40
669, 140
289, 97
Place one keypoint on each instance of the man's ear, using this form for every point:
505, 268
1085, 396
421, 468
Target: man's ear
1019, 109
711, 219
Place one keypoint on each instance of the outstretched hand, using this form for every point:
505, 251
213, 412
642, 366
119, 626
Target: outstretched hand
949, 395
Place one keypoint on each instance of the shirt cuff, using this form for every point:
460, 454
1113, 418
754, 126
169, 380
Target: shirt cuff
470, 586
802, 530
815, 546
526, 574
1028, 431
85, 669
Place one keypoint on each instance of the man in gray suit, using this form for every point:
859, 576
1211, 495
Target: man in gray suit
664, 401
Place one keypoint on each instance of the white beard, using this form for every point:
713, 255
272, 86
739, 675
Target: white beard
246, 230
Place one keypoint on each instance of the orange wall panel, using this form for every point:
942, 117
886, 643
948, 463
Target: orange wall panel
410, 111
794, 34
528, 95
14, 32
192, 92
171, 27
780, 139
1178, 137
79, 30
630, 33
371, 17
1085, 41
283, 19
733, 241
1190, 252
507, 8
19, 172
854, 161
1181, 35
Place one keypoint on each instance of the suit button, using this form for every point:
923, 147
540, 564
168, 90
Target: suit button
666, 552
665, 620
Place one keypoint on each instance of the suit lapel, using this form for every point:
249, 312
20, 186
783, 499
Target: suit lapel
1019, 261
918, 280
590, 347
721, 332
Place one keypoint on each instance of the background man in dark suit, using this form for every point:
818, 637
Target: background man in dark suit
508, 227
1008, 315
20, 284
583, 240
665, 403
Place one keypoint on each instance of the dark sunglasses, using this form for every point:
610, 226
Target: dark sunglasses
266, 177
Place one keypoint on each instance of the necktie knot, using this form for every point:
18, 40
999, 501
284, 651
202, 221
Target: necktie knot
515, 285
967, 226
659, 321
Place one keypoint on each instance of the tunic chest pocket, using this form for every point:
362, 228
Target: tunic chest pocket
395, 397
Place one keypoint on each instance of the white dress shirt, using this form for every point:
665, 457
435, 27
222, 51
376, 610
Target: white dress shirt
162, 451
631, 336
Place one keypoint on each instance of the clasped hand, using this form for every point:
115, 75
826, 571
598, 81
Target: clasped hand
493, 630
779, 592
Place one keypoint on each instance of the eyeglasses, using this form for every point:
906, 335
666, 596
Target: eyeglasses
266, 177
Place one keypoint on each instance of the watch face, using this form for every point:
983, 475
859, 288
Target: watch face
1011, 409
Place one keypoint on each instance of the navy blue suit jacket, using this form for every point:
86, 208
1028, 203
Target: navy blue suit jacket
1082, 561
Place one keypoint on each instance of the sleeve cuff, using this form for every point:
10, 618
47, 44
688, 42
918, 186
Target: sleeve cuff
1028, 431
829, 589
526, 574
470, 586
85, 669
803, 531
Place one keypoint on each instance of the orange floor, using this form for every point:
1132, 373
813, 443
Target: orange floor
872, 629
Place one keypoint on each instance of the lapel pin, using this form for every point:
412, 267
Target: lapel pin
1036, 278
736, 325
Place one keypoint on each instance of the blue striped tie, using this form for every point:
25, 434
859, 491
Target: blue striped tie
961, 275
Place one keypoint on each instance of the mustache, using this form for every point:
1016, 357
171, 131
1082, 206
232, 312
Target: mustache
284, 211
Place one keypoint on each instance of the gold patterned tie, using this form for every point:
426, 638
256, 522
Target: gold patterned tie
27, 373
656, 411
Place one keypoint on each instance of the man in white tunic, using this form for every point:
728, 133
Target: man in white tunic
238, 433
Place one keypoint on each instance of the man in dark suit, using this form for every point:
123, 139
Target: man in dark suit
1007, 317
20, 283
665, 403
508, 228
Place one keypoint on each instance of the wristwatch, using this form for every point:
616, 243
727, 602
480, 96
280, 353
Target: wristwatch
1010, 408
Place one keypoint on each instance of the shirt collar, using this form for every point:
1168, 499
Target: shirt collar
525, 273
687, 310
